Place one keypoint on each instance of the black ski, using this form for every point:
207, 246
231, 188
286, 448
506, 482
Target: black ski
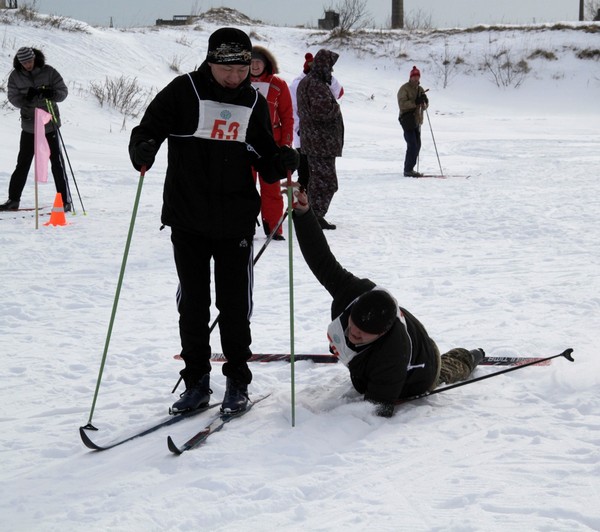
323, 358
439, 176
15, 214
215, 425
514, 361
170, 421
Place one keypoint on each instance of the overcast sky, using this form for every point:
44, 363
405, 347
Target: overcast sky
442, 13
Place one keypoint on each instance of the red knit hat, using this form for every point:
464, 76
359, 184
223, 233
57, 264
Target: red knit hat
308, 63
415, 72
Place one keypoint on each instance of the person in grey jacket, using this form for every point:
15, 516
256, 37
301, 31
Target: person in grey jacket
34, 84
387, 350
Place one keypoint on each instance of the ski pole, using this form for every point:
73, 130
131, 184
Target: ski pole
290, 196
257, 256
64, 150
89, 425
434, 144
566, 353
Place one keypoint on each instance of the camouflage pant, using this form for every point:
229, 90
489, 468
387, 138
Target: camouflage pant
455, 365
323, 183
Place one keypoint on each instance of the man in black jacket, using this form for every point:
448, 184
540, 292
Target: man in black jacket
387, 350
218, 128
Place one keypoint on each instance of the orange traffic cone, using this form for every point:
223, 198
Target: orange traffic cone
57, 217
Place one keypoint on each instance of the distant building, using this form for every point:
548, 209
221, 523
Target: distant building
177, 20
331, 20
8, 4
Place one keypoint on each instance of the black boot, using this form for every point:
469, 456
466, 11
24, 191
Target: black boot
267, 229
10, 205
236, 397
195, 396
325, 224
478, 355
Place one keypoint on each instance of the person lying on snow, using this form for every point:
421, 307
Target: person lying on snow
387, 350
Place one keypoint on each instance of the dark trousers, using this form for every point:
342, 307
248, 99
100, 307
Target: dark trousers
413, 147
234, 278
323, 183
24, 160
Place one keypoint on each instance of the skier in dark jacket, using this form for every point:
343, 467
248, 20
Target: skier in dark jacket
34, 84
218, 128
412, 101
387, 350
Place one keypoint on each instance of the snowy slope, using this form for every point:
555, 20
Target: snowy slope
507, 260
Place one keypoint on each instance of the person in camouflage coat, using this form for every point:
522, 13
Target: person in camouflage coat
321, 132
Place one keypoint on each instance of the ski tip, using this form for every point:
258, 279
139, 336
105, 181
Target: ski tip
172, 447
86, 440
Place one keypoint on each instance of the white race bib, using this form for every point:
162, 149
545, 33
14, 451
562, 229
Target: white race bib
221, 121
337, 342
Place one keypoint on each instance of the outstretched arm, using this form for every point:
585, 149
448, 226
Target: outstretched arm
343, 286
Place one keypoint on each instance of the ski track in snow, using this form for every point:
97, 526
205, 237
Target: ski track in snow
507, 259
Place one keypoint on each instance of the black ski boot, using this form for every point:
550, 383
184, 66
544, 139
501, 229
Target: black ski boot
10, 205
412, 173
195, 396
478, 355
267, 229
236, 397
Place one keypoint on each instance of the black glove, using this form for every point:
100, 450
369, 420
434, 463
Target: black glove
385, 409
289, 158
47, 92
143, 153
421, 99
31, 94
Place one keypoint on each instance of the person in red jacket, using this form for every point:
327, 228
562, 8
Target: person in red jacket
263, 70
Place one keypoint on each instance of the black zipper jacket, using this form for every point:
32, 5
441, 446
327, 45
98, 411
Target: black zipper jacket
209, 188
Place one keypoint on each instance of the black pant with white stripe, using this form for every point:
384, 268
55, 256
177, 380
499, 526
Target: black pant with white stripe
234, 278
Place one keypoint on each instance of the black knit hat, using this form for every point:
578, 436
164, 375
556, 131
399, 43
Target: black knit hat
229, 46
374, 312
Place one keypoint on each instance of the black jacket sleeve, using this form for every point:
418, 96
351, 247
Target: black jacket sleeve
343, 286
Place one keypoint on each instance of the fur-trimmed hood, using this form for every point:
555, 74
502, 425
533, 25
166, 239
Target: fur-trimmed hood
272, 67
39, 62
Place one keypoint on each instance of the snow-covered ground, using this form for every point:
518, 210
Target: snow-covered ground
507, 259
